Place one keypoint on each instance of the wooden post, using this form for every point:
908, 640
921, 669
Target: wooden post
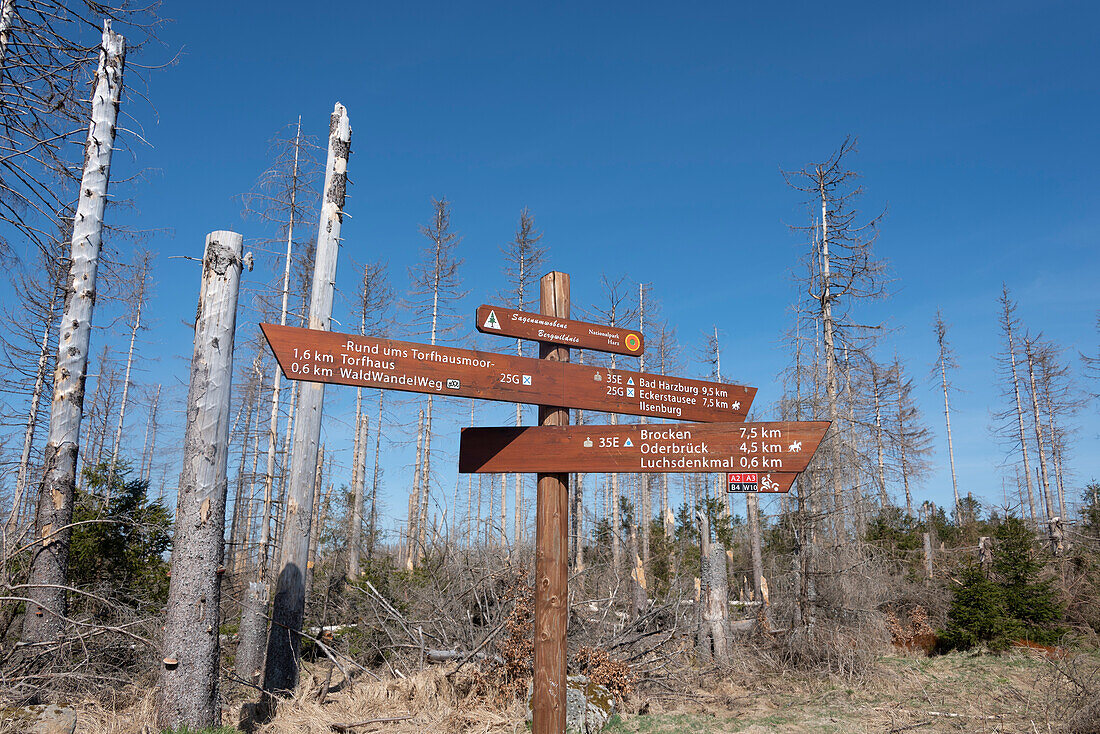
551, 547
281, 667
188, 691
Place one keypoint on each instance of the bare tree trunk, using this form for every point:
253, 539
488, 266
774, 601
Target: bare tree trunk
372, 524
149, 444
188, 690
517, 504
876, 386
426, 483
358, 482
36, 399
314, 525
237, 518
411, 533
1030, 354
281, 673
47, 608
139, 302
250, 651
752, 502
1055, 447
831, 379
714, 634
941, 334
1006, 324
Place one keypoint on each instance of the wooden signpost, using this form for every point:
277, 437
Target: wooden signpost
651, 448
347, 359
537, 327
763, 457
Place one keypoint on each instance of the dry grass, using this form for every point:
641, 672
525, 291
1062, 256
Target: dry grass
434, 703
1020, 691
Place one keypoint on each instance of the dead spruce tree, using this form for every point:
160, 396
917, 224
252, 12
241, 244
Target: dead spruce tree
29, 346
524, 260
1011, 420
843, 272
910, 438
188, 690
47, 607
375, 295
945, 360
284, 198
139, 285
616, 310
433, 297
281, 665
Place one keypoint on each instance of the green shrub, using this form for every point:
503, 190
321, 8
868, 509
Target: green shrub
1011, 603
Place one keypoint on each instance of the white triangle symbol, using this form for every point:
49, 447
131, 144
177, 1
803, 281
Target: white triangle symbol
491, 321
630, 381
628, 443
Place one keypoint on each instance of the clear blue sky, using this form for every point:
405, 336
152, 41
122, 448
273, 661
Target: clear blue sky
647, 139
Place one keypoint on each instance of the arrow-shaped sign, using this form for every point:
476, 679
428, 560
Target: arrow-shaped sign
780, 447
347, 359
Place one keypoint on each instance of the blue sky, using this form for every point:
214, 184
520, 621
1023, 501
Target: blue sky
648, 139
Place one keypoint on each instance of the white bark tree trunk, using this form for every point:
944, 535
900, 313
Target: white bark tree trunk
832, 388
941, 332
1030, 354
250, 650
46, 611
138, 304
188, 690
32, 418
372, 523
358, 481
281, 669
1019, 409
411, 534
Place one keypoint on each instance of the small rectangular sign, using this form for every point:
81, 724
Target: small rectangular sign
348, 359
536, 327
744, 449
742, 482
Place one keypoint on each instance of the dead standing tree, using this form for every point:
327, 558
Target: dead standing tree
375, 295
616, 312
1007, 362
945, 360
436, 288
523, 260
843, 272
188, 691
283, 198
281, 668
137, 303
49, 563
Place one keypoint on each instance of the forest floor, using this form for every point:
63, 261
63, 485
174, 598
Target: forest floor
1018, 691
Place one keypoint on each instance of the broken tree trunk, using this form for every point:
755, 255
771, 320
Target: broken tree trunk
281, 668
713, 639
188, 691
49, 562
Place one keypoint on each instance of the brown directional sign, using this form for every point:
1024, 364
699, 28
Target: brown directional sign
346, 359
643, 448
581, 334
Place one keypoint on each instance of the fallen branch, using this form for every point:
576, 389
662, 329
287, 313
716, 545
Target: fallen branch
353, 725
